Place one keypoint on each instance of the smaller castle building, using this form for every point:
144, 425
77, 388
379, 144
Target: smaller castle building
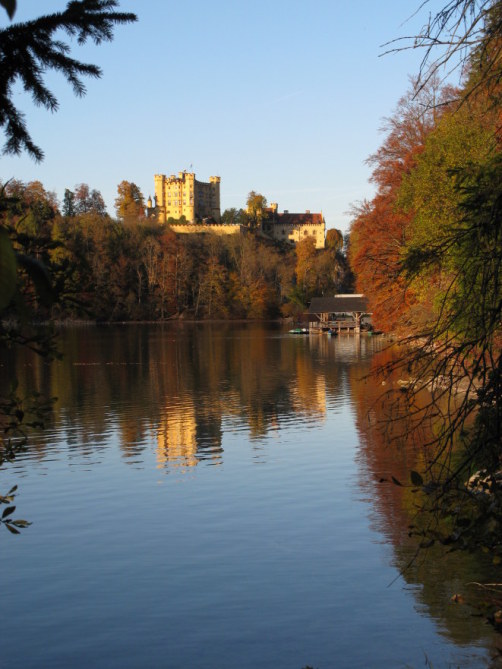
293, 227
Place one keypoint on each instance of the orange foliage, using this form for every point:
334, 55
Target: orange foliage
377, 237
379, 231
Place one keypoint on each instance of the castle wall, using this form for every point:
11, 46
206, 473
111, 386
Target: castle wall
215, 228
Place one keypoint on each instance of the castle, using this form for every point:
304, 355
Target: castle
185, 196
199, 203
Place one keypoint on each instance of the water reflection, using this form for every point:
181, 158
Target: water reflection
280, 552
179, 388
436, 575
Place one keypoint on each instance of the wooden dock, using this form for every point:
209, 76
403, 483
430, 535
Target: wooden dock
339, 326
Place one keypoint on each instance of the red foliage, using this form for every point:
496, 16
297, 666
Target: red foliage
377, 237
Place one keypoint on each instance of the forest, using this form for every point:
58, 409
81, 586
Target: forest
132, 268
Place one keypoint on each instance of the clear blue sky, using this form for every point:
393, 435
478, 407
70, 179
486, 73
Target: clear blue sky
284, 97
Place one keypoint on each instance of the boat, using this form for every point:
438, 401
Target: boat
299, 331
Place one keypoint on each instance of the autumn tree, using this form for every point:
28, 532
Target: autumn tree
380, 227
450, 258
256, 203
334, 239
463, 35
305, 269
129, 204
87, 201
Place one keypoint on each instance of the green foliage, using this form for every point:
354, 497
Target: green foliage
458, 141
235, 216
69, 209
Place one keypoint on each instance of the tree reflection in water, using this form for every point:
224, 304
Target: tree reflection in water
444, 582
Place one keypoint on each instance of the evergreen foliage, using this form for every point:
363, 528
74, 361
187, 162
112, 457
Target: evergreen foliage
28, 50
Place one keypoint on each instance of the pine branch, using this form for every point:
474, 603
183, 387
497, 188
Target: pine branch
28, 50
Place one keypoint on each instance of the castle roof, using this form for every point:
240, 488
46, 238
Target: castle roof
293, 219
339, 304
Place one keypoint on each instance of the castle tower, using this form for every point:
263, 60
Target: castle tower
215, 197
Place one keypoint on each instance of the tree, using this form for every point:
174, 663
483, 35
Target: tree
69, 203
380, 228
88, 202
255, 205
464, 35
232, 215
130, 204
334, 239
305, 268
28, 50
450, 256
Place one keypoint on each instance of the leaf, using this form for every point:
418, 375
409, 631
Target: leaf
10, 7
416, 479
13, 489
8, 511
21, 523
8, 269
12, 529
396, 482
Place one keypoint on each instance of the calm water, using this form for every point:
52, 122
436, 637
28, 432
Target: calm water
208, 497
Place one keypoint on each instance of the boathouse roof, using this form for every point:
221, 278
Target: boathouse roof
339, 304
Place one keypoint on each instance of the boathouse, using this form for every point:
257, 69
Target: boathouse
340, 312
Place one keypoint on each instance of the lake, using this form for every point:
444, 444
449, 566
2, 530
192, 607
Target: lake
208, 496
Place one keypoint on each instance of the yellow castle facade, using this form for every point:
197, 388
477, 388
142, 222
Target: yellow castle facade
184, 195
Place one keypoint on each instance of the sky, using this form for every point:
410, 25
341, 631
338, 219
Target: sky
283, 97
